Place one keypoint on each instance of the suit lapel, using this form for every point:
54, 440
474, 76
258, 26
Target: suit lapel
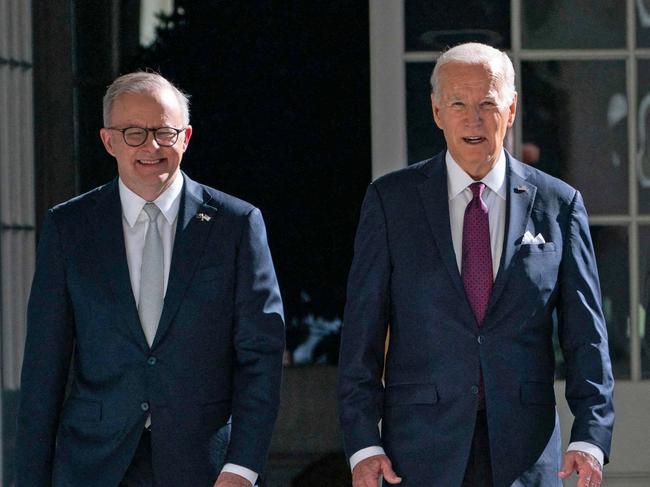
195, 219
519, 203
434, 195
111, 250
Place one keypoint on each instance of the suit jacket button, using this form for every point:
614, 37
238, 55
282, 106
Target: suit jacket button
144, 406
474, 389
152, 360
481, 339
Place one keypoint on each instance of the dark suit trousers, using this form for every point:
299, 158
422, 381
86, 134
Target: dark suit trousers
140, 472
479, 470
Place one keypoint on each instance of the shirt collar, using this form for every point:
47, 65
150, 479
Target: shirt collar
169, 201
458, 180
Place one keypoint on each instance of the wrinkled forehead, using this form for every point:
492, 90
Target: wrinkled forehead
477, 76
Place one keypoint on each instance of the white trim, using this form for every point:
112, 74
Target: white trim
618, 219
633, 241
544, 54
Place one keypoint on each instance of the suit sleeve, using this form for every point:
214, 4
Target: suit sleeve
48, 349
583, 336
361, 362
259, 346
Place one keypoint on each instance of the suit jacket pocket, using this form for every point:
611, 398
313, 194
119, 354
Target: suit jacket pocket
78, 410
537, 393
408, 394
527, 249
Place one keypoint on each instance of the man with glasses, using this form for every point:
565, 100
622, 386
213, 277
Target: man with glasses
155, 306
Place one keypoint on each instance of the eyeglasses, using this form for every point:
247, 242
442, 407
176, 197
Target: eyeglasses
136, 136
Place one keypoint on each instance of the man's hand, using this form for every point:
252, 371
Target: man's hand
366, 473
590, 473
228, 479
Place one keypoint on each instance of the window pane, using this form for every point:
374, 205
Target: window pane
424, 139
643, 23
644, 308
575, 128
643, 123
434, 25
573, 24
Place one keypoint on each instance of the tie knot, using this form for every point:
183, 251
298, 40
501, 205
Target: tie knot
477, 189
152, 211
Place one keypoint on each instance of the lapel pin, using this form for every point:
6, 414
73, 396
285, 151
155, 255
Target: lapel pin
521, 189
203, 217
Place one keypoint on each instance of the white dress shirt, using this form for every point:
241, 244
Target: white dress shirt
135, 223
494, 197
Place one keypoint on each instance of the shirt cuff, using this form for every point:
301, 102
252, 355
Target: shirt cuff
364, 453
586, 447
247, 473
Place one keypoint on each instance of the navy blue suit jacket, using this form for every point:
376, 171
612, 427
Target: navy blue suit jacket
218, 349
405, 275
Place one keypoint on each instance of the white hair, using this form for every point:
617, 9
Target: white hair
142, 82
475, 53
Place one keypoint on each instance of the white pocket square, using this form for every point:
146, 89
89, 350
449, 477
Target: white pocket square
528, 239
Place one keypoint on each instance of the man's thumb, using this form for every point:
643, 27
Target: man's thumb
567, 468
389, 474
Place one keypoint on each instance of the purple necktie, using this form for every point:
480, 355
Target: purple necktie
476, 263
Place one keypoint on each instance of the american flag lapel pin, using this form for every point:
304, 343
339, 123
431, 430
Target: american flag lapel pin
521, 189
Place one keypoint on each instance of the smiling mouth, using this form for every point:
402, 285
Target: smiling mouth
149, 162
474, 140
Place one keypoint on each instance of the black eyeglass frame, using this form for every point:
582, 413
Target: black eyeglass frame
147, 130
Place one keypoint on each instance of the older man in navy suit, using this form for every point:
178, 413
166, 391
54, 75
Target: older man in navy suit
157, 298
468, 258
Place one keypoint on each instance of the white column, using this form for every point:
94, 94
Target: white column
17, 233
387, 86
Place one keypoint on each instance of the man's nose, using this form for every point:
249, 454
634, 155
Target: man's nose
150, 141
473, 115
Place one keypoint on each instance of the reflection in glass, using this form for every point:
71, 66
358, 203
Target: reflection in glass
434, 26
575, 127
573, 24
611, 247
644, 297
150, 13
424, 139
642, 23
643, 137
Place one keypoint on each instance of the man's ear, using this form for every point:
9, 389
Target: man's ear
187, 137
105, 135
436, 111
512, 109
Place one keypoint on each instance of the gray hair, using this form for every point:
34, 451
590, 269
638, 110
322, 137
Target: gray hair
475, 53
142, 82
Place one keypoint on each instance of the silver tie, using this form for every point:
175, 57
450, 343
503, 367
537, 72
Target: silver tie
151, 276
